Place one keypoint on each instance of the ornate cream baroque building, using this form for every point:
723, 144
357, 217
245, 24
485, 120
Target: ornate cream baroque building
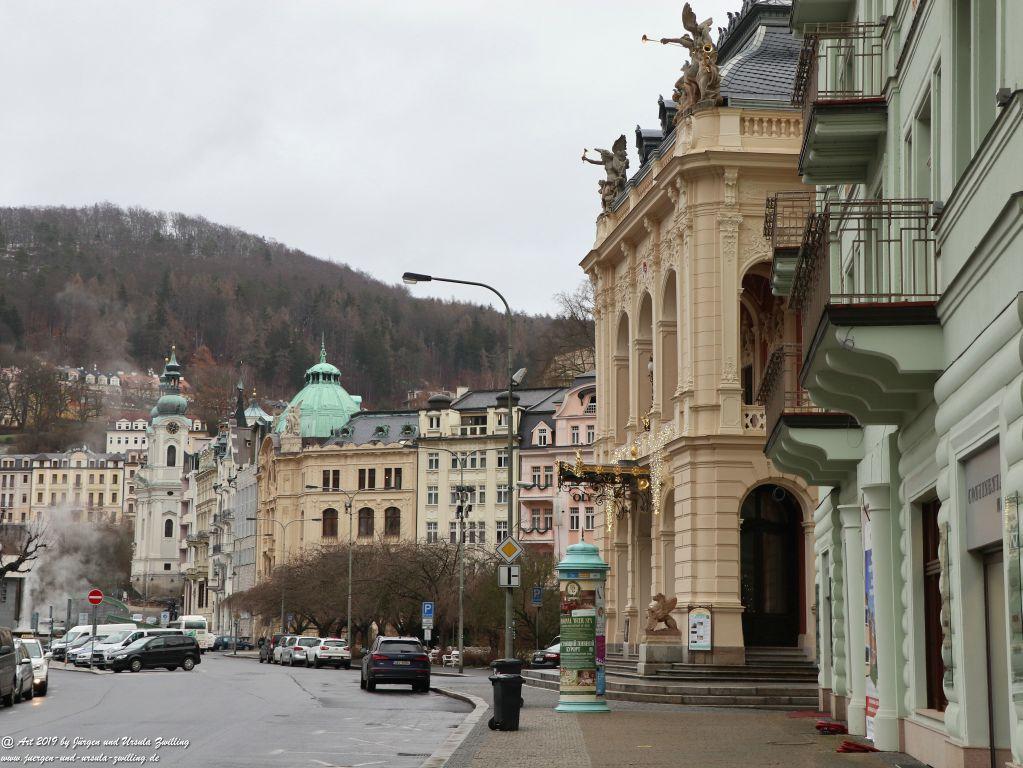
685, 322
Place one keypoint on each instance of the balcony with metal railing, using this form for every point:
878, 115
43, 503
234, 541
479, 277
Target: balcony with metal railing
785, 218
819, 445
866, 287
840, 86
806, 13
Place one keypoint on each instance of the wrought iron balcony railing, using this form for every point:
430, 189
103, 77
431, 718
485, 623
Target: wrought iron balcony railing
865, 253
785, 218
839, 64
780, 392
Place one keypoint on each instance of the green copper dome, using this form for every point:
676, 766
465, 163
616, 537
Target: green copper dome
323, 404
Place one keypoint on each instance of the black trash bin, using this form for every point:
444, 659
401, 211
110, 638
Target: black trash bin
507, 702
506, 666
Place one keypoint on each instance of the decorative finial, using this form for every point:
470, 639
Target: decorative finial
323, 348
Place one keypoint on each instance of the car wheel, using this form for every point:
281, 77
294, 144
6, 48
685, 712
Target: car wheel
136, 665
492, 724
8, 700
188, 664
371, 685
260, 659
337, 666
118, 671
348, 665
31, 693
42, 689
362, 682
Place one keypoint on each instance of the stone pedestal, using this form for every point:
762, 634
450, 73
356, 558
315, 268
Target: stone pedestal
291, 443
659, 650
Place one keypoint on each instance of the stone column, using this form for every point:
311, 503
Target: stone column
877, 500
852, 545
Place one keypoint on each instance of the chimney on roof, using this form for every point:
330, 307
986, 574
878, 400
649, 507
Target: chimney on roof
666, 109
647, 141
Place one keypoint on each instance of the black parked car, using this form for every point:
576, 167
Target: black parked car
168, 651
396, 660
227, 643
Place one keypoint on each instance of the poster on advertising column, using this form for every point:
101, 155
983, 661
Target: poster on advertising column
578, 638
870, 635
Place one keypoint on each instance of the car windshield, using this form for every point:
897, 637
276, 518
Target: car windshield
73, 635
195, 625
80, 642
34, 649
335, 643
400, 647
556, 648
137, 644
309, 642
117, 637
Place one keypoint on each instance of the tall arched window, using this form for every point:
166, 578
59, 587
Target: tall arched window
172, 456
365, 522
392, 521
168, 528
329, 517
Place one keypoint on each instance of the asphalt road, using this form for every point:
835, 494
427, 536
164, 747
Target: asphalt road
231, 712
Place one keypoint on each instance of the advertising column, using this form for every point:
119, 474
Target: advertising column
582, 574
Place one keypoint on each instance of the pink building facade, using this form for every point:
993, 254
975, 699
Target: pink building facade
552, 431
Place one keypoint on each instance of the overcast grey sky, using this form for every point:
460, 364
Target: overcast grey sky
413, 134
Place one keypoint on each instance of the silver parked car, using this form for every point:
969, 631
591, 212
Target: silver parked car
40, 665
24, 683
299, 652
286, 642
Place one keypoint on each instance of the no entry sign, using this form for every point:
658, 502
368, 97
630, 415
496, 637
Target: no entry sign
95, 597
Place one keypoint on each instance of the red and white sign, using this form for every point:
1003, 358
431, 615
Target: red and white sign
95, 597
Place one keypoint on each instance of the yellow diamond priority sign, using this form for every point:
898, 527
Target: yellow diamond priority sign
509, 549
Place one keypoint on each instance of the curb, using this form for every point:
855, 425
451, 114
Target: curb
443, 753
87, 670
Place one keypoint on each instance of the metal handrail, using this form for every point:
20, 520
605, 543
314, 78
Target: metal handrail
839, 63
866, 252
785, 216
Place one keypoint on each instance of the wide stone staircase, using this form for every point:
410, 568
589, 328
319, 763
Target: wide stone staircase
776, 678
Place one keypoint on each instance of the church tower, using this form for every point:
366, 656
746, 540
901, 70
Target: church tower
155, 566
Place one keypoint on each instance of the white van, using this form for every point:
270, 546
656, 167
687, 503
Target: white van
59, 647
118, 640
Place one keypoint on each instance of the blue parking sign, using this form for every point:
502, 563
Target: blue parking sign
427, 610
537, 596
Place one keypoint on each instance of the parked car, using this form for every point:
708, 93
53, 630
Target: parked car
298, 653
40, 665
229, 642
59, 647
285, 642
101, 652
331, 650
266, 648
167, 651
24, 684
548, 658
8, 667
74, 646
82, 655
396, 660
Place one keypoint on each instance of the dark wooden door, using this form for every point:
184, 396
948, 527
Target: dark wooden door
770, 558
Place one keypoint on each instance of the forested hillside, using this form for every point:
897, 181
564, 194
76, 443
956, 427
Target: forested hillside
116, 287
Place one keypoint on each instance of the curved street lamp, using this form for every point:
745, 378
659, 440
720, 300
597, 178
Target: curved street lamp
412, 278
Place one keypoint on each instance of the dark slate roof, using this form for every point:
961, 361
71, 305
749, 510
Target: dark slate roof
483, 399
758, 53
529, 422
377, 426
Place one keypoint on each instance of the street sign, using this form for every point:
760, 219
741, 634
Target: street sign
136, 617
537, 597
426, 635
509, 549
95, 597
508, 575
164, 618
428, 609
428, 623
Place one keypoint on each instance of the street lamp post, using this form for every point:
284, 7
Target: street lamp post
460, 513
414, 277
284, 550
349, 499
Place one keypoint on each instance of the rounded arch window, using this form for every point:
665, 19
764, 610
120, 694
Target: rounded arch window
329, 518
392, 521
168, 528
365, 522
172, 456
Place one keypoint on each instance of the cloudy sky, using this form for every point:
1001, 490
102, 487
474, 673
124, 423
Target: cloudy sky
390, 135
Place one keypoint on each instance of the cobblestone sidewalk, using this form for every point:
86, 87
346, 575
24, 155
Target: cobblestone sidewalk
659, 736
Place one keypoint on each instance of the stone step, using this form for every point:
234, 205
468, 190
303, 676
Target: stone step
722, 679
754, 696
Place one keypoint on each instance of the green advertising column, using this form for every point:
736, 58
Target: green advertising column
582, 574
